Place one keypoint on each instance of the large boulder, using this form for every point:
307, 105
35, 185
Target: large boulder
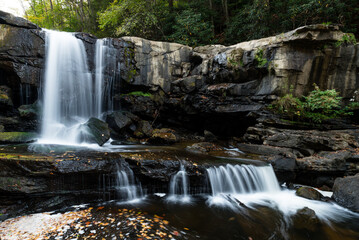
346, 192
95, 131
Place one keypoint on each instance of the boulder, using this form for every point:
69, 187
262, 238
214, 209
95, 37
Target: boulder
346, 192
306, 219
30, 111
144, 129
204, 147
164, 136
17, 137
95, 131
119, 120
309, 193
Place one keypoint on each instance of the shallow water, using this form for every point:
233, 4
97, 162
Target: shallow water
155, 218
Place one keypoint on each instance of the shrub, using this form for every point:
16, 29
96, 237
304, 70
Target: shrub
317, 107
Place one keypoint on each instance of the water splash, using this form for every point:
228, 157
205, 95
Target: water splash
240, 187
179, 186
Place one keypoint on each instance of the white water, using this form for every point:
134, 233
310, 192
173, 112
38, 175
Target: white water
126, 188
71, 96
105, 74
244, 186
179, 186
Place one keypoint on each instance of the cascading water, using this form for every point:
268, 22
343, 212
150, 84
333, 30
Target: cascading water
179, 185
126, 188
239, 179
235, 186
71, 95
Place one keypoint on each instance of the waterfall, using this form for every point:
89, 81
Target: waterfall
242, 179
105, 74
179, 186
71, 95
126, 188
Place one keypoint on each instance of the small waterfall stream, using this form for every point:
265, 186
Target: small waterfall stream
179, 186
126, 186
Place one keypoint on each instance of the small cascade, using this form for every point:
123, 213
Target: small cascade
105, 75
126, 186
179, 186
242, 179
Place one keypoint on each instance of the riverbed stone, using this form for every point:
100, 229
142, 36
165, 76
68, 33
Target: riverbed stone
309, 193
346, 192
95, 131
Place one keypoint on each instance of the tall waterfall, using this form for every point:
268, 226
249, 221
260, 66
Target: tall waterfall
241, 179
179, 185
71, 95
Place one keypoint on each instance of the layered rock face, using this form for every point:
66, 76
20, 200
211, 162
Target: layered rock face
215, 87
212, 87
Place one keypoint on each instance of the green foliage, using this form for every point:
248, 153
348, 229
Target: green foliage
259, 57
317, 107
132, 17
348, 38
139, 93
193, 22
191, 29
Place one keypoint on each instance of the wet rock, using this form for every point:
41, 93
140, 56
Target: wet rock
144, 129
30, 111
95, 131
325, 162
17, 137
164, 136
309, 193
204, 147
306, 219
346, 192
119, 120
209, 136
5, 97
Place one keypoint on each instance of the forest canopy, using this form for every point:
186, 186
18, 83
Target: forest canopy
193, 23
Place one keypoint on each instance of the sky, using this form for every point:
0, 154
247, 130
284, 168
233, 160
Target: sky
15, 7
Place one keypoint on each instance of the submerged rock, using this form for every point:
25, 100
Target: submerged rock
306, 218
204, 147
346, 192
17, 137
309, 193
95, 131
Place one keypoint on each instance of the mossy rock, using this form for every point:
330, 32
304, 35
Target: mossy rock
309, 193
17, 137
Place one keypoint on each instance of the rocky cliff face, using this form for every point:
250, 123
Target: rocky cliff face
210, 87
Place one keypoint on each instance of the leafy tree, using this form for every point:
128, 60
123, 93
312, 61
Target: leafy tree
191, 29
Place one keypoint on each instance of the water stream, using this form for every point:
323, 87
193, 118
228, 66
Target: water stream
179, 186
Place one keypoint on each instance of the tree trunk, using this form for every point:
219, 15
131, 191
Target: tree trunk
225, 9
